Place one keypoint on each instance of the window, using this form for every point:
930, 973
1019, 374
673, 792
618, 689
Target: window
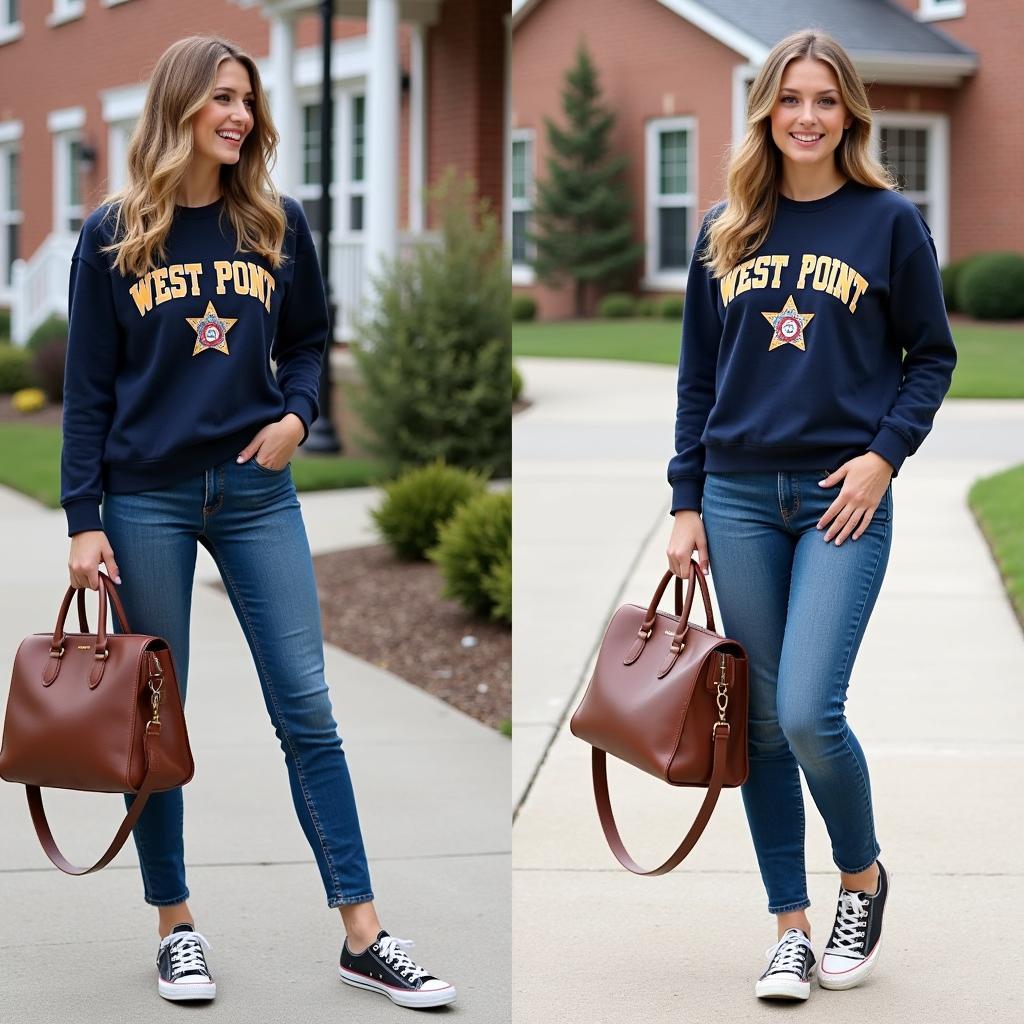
10, 212
10, 20
914, 147
357, 182
522, 195
65, 10
937, 10
671, 197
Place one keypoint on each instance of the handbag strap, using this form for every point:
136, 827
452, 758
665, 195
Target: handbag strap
599, 766
149, 784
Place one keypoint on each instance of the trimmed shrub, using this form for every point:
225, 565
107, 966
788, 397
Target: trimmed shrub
53, 328
671, 307
5, 325
646, 307
616, 305
48, 367
498, 584
436, 352
471, 545
524, 307
15, 369
950, 274
517, 383
991, 286
418, 502
28, 400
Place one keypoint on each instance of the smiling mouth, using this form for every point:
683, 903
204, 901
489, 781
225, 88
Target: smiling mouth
809, 141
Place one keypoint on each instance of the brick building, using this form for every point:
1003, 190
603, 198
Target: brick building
939, 75
417, 85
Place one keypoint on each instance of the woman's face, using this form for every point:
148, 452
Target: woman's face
809, 106
229, 110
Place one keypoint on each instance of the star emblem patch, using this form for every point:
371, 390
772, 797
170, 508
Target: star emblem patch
211, 330
788, 326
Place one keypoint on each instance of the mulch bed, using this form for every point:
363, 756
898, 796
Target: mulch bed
392, 614
48, 416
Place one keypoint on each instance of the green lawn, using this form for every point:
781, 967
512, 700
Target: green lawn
31, 464
990, 360
998, 503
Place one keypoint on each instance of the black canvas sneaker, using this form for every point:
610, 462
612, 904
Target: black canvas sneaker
790, 968
385, 967
852, 951
182, 966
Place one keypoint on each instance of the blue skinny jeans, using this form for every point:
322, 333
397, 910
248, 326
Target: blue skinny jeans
249, 519
800, 607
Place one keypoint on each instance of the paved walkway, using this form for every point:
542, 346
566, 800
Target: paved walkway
431, 784
935, 699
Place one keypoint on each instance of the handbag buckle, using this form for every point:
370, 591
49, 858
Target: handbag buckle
714, 732
55, 653
102, 655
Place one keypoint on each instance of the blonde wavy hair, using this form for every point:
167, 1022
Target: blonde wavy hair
161, 149
756, 166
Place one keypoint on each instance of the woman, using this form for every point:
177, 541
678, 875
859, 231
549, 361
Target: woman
795, 410
182, 284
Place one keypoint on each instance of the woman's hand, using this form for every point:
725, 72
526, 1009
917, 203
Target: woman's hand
687, 535
865, 480
276, 441
88, 549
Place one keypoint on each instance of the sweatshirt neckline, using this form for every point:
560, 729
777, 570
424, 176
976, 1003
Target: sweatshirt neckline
197, 212
813, 205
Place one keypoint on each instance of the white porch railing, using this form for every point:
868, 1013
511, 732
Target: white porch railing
39, 286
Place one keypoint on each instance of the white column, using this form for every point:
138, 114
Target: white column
282, 102
382, 117
417, 127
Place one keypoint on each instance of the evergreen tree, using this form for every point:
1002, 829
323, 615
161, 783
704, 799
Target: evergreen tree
582, 211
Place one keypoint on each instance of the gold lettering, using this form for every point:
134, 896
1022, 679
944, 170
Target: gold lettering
160, 285
862, 287
255, 281
241, 276
142, 294
821, 272
194, 270
222, 268
761, 265
778, 262
743, 282
807, 262
271, 284
176, 275
836, 264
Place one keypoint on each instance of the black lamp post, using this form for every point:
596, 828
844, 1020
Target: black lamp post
322, 434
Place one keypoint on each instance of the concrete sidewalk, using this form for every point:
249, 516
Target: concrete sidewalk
432, 788
935, 699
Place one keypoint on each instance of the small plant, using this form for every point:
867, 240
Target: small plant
28, 400
471, 547
524, 307
950, 274
48, 367
15, 369
498, 584
53, 328
5, 325
671, 307
517, 384
617, 305
991, 286
419, 502
646, 307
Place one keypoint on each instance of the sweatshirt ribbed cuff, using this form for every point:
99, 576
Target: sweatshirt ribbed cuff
83, 514
686, 494
892, 446
303, 408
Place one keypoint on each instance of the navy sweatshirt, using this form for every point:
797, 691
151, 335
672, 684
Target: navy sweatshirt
169, 374
829, 341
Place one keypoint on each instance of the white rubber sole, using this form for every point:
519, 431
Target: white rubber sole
856, 974
186, 990
416, 1000
782, 988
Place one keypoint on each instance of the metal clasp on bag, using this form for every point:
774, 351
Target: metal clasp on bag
721, 699
155, 672
55, 653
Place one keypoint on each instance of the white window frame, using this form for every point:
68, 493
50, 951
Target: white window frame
10, 141
937, 194
9, 30
667, 280
523, 273
119, 134
65, 11
113, 3
940, 10
348, 120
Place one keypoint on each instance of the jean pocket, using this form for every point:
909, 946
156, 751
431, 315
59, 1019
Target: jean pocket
267, 469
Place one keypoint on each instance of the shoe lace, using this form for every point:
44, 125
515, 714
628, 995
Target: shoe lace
787, 954
186, 952
851, 921
393, 950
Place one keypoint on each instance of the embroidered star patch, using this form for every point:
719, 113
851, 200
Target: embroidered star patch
788, 326
211, 330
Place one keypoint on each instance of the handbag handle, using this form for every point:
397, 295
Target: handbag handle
149, 783
106, 585
599, 769
695, 578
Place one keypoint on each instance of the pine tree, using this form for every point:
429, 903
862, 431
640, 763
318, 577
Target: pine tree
582, 211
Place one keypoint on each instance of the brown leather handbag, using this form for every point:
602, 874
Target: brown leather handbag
670, 697
94, 712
